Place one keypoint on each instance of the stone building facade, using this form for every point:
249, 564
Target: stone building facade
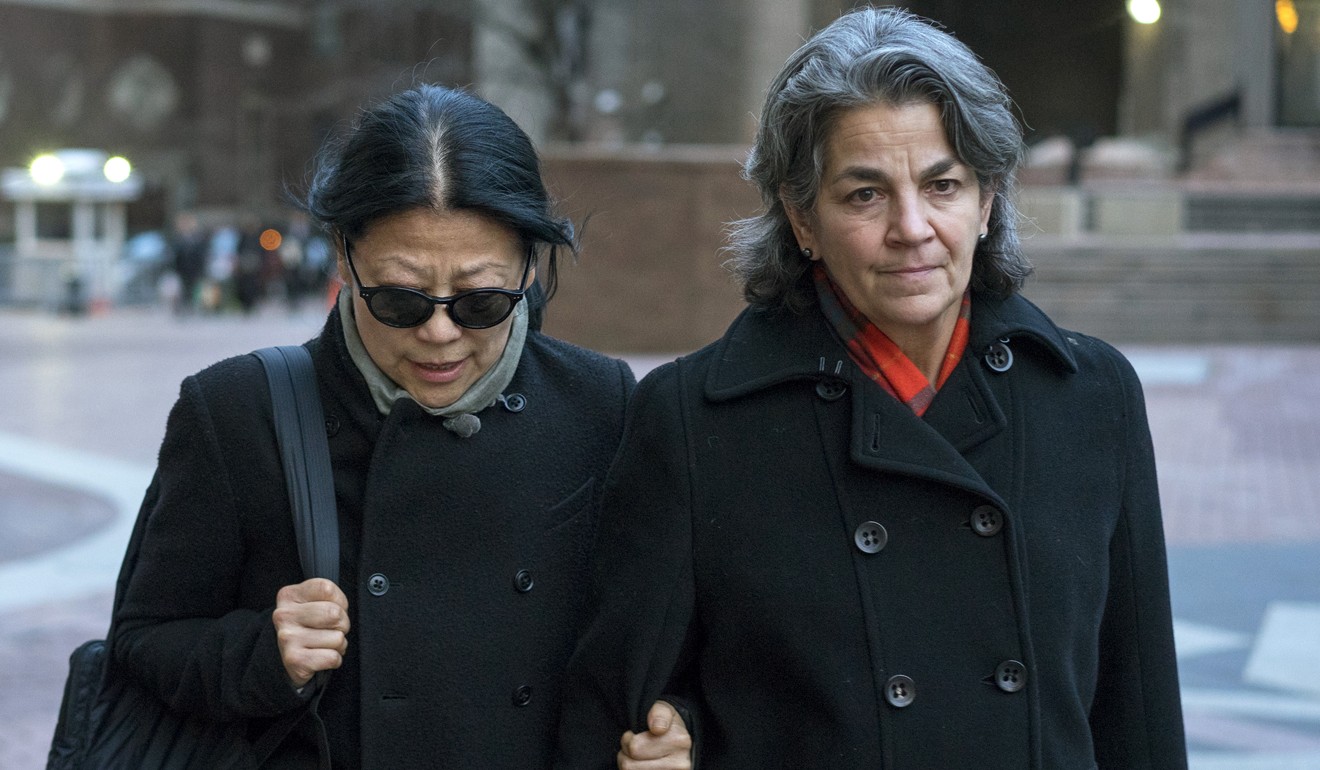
216, 103
223, 103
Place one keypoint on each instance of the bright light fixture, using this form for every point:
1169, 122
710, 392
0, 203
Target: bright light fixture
117, 169
46, 170
1144, 11
1286, 11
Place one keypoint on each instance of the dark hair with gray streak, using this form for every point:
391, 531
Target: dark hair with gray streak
442, 149
866, 57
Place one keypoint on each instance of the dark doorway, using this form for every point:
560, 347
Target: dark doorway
1062, 62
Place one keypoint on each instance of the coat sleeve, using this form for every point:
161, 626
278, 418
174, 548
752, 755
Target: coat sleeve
633, 649
181, 629
1136, 718
627, 380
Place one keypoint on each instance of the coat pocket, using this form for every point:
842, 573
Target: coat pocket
563, 551
566, 511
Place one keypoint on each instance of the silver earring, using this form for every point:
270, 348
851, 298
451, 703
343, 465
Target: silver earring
982, 236
806, 253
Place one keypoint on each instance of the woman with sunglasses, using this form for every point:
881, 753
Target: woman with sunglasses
468, 451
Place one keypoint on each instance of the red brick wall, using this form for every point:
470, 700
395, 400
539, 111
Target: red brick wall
650, 278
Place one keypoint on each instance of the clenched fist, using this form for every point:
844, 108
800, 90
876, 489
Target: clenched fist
311, 624
666, 744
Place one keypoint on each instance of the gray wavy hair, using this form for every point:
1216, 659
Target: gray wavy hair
866, 57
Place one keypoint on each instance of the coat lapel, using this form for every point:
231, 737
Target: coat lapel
764, 348
887, 436
965, 411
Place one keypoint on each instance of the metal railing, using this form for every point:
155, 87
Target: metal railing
1200, 118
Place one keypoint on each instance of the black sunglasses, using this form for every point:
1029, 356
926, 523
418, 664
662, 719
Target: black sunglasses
404, 308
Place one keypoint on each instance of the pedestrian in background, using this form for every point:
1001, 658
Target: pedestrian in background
468, 451
895, 517
188, 254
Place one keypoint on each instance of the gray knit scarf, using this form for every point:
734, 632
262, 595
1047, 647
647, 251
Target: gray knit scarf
460, 416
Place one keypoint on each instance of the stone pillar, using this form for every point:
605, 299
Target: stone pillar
1255, 54
114, 225
114, 231
614, 64
1143, 104
29, 279
506, 75
774, 29
25, 228
87, 263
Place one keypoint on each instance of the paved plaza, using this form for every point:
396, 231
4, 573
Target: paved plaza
1237, 435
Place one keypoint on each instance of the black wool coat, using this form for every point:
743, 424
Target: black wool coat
829, 581
464, 560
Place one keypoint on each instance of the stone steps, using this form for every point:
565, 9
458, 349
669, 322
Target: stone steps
1270, 156
1186, 290
1251, 212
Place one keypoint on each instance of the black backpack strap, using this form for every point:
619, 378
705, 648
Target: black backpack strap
305, 456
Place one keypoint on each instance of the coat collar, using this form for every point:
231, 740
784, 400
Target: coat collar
763, 348
350, 396
1017, 318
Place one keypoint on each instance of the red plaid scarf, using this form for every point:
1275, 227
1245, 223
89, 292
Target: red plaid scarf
878, 356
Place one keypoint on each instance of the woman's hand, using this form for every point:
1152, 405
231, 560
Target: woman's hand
666, 744
311, 624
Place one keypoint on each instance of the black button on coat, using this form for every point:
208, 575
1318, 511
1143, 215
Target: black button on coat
730, 571
432, 527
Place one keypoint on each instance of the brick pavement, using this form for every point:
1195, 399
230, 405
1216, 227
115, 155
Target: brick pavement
1237, 434
34, 653
1239, 451
27, 507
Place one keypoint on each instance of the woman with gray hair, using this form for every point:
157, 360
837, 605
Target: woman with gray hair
895, 517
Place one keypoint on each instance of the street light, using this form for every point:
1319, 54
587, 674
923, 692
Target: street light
1144, 11
46, 170
117, 169
1286, 12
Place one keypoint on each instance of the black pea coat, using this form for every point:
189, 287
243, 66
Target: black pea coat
828, 580
464, 560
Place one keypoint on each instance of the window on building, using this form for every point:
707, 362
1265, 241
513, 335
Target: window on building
55, 220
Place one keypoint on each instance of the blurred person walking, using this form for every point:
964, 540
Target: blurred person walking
222, 261
188, 253
305, 257
249, 265
895, 517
